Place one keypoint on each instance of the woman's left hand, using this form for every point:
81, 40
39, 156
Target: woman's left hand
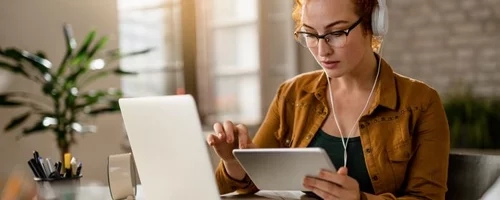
330, 185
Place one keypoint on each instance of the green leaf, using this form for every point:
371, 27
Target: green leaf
41, 55
102, 73
48, 88
4, 100
69, 38
113, 106
119, 71
95, 76
12, 54
71, 95
100, 44
73, 78
115, 53
16, 121
96, 96
41, 64
14, 69
82, 54
70, 46
38, 127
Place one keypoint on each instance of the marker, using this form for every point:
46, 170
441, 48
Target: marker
67, 165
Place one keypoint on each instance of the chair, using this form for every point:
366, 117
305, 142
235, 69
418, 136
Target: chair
471, 174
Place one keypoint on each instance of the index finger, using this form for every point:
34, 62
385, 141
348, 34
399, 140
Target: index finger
242, 135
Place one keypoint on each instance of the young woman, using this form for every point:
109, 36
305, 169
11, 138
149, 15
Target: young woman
387, 133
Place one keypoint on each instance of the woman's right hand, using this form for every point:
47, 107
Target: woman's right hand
227, 137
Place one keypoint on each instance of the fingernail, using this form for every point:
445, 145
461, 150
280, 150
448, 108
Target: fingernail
219, 134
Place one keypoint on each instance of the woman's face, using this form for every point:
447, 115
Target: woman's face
325, 16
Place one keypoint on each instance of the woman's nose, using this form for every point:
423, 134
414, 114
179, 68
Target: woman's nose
324, 49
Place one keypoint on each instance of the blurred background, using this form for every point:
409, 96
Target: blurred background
231, 55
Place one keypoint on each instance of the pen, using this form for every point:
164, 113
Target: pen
38, 168
37, 163
56, 172
33, 169
45, 167
79, 169
59, 167
49, 165
36, 155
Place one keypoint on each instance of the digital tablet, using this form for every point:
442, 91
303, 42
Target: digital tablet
282, 168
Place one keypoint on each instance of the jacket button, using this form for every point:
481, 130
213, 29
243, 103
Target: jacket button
308, 137
375, 178
368, 150
287, 142
362, 126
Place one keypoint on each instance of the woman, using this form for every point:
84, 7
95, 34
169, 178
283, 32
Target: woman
391, 129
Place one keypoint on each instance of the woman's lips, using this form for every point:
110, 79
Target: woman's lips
330, 64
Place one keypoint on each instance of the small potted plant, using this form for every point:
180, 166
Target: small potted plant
65, 87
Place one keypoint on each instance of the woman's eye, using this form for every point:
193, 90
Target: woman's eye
309, 36
337, 34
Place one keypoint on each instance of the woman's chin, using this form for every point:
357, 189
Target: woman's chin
333, 73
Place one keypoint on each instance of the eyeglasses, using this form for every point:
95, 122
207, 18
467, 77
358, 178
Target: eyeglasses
334, 39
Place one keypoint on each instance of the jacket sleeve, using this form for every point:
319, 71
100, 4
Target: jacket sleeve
264, 138
428, 170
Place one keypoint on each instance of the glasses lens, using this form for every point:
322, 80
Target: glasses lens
307, 40
336, 39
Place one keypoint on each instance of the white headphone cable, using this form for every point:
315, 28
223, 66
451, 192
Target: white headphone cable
344, 143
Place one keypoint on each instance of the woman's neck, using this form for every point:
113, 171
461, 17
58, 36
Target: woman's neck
361, 78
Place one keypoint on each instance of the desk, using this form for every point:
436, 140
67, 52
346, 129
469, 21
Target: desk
102, 193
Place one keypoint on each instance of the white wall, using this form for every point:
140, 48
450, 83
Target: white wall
36, 25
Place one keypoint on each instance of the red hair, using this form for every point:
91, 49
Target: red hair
363, 8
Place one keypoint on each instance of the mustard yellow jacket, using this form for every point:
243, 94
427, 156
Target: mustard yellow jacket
405, 134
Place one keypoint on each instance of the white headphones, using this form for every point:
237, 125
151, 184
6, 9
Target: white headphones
380, 19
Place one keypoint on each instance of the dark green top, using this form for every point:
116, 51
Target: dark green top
355, 160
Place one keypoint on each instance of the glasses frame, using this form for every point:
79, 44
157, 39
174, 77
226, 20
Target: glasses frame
324, 36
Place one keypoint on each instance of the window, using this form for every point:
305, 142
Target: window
246, 49
151, 24
231, 54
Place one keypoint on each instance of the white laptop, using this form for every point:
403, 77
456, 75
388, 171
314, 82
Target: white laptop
169, 148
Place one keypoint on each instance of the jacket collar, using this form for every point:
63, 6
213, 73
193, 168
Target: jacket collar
385, 92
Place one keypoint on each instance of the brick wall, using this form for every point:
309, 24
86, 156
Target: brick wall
446, 43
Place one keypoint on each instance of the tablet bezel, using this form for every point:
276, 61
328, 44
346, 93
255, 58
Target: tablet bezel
282, 168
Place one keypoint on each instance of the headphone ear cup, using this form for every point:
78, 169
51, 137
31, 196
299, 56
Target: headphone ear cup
380, 19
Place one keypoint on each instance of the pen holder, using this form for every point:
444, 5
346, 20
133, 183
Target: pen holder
58, 189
